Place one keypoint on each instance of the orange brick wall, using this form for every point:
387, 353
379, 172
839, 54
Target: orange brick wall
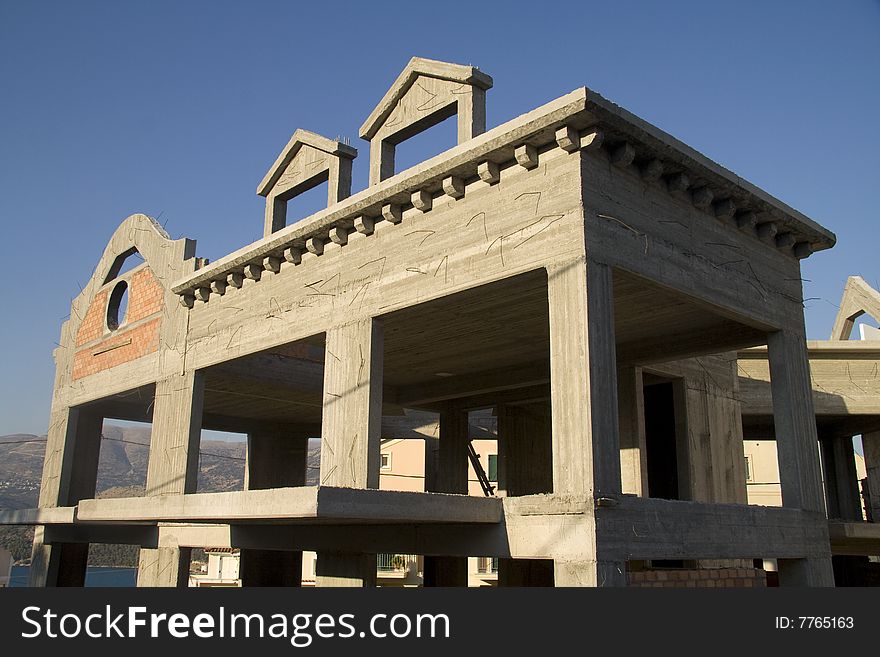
92, 326
145, 295
145, 298
134, 343
698, 578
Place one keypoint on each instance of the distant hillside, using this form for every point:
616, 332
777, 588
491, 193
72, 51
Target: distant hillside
21, 464
122, 470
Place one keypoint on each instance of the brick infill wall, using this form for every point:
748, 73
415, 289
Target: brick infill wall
123, 346
698, 578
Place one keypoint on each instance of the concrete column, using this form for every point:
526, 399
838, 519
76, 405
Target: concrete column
525, 572
345, 569
274, 460
58, 564
381, 160
796, 442
70, 474
633, 445
583, 379
352, 416
173, 467
339, 181
432, 463
275, 217
351, 432
451, 477
270, 567
589, 573
525, 468
871, 445
583, 391
164, 566
841, 482
631, 414
525, 451
471, 110
843, 502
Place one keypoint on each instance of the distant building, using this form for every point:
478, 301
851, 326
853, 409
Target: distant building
221, 569
762, 473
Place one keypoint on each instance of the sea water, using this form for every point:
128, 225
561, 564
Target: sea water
95, 576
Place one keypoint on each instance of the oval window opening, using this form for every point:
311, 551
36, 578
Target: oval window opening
118, 307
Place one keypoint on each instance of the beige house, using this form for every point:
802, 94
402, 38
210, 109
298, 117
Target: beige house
762, 473
221, 569
403, 465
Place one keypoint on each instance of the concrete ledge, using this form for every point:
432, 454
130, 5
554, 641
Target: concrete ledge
292, 505
577, 110
43, 516
639, 528
431, 539
668, 147
854, 538
833, 348
146, 536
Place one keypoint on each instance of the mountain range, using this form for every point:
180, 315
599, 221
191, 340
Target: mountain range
122, 472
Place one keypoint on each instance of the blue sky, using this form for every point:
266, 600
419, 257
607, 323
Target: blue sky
178, 109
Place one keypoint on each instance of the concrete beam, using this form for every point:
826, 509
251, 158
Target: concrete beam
854, 538
643, 528
567, 519
478, 383
305, 503
146, 536
41, 516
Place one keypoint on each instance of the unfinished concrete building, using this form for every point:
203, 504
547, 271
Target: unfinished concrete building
846, 399
575, 272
